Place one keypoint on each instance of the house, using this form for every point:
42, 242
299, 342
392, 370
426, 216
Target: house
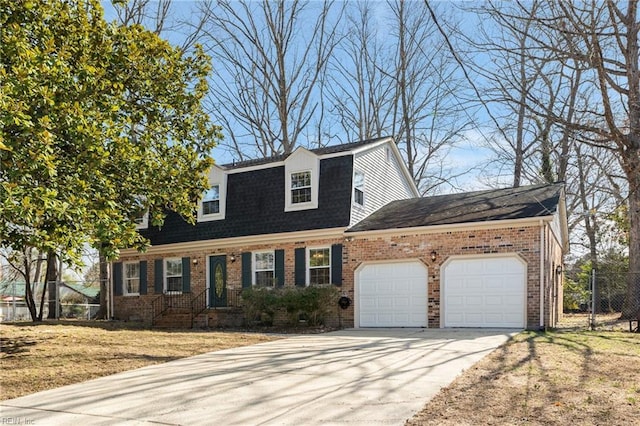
350, 215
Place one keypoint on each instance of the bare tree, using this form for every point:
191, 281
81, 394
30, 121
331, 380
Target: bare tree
359, 89
600, 38
164, 17
394, 76
269, 57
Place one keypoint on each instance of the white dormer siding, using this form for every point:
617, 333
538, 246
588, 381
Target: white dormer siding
301, 174
385, 180
217, 177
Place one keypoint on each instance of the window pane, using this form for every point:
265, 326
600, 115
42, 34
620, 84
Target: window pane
210, 207
300, 180
132, 270
212, 193
301, 195
174, 267
174, 284
319, 257
264, 261
133, 285
264, 278
358, 188
319, 276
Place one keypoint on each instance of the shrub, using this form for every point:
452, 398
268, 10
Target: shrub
313, 303
259, 305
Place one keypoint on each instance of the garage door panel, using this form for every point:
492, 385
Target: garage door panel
484, 292
471, 301
392, 295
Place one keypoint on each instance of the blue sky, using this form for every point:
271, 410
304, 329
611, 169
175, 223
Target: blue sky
469, 154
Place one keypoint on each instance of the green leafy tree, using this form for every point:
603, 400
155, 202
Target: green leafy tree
100, 123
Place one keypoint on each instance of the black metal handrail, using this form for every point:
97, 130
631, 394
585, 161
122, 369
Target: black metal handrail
158, 308
198, 304
234, 298
194, 305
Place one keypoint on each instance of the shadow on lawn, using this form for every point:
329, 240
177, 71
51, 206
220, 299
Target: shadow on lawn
16, 345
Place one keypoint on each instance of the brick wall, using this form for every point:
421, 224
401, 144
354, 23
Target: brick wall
524, 241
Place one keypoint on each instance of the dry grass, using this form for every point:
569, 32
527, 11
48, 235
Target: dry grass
36, 357
562, 377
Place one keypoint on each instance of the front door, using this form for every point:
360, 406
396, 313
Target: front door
217, 281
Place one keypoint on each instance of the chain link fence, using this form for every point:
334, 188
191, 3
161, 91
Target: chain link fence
68, 299
600, 301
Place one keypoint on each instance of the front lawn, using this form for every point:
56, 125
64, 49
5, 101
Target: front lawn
36, 357
553, 378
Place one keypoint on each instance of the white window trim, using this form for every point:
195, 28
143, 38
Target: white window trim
302, 160
308, 263
217, 176
213, 216
144, 223
166, 275
125, 279
364, 198
254, 268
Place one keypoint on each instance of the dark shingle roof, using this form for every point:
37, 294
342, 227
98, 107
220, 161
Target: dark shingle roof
478, 206
319, 151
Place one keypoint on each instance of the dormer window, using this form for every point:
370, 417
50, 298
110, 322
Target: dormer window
302, 178
212, 205
301, 187
141, 214
358, 188
211, 201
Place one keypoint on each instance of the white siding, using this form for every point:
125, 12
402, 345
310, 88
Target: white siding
384, 181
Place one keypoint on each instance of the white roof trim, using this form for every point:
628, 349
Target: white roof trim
333, 233
283, 237
438, 229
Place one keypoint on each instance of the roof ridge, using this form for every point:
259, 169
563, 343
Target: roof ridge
328, 149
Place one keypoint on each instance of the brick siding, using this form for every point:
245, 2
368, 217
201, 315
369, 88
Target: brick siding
523, 241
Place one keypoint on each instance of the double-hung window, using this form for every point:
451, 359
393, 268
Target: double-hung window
358, 188
141, 214
264, 268
132, 278
173, 275
211, 201
300, 187
319, 266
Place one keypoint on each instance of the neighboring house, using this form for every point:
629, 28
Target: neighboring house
351, 216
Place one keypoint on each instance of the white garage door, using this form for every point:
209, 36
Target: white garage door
392, 295
484, 292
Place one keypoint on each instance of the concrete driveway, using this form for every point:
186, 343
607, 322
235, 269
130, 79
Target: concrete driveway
354, 377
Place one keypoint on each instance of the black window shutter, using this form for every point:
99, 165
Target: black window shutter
300, 266
336, 264
246, 269
158, 276
143, 277
279, 272
186, 274
117, 278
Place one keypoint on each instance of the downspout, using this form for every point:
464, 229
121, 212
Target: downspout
542, 250
110, 292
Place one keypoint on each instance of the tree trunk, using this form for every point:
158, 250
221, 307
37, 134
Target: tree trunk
28, 290
51, 280
631, 307
104, 288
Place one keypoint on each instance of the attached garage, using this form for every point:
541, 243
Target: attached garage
392, 294
486, 291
